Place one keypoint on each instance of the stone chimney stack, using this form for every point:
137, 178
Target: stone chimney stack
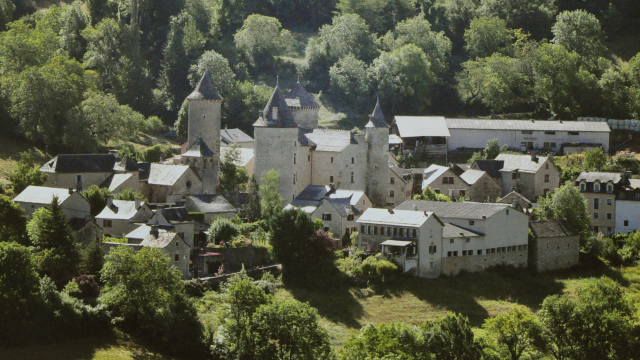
534, 158
154, 231
109, 200
70, 191
138, 204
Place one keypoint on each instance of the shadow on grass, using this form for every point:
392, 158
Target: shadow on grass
337, 304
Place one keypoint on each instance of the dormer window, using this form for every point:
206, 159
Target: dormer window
583, 186
609, 187
596, 186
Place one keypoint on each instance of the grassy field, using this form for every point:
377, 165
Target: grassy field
10, 149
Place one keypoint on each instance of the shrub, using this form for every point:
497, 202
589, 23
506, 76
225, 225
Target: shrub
156, 153
223, 230
88, 286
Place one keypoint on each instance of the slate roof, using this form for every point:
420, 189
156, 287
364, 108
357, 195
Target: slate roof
395, 217
634, 183
492, 167
521, 162
314, 192
419, 126
455, 231
521, 198
166, 175
551, 228
343, 206
232, 136
42, 195
211, 203
204, 90
376, 119
78, 224
459, 210
115, 180
354, 195
432, 173
199, 148
175, 214
394, 139
603, 177
471, 176
80, 163
125, 164
140, 233
120, 210
539, 125
303, 140
245, 155
331, 140
299, 97
161, 241
284, 118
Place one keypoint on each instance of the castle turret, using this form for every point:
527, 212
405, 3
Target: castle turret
276, 142
204, 133
303, 108
377, 137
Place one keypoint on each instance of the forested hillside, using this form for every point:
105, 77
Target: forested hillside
75, 77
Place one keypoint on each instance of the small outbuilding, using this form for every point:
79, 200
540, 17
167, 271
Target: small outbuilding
553, 245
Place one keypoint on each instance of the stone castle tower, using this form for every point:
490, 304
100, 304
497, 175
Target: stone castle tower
276, 144
377, 137
205, 115
303, 108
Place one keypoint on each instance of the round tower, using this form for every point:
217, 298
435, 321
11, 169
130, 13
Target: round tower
205, 114
377, 138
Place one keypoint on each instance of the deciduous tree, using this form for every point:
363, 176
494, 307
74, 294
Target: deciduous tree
13, 223
26, 174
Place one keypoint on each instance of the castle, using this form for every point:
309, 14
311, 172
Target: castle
287, 139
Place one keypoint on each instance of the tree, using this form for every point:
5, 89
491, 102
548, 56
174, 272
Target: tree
13, 223
568, 323
26, 174
233, 177
381, 15
451, 338
595, 160
486, 36
534, 16
19, 280
566, 203
92, 258
182, 122
22, 46
385, 341
401, 76
55, 251
129, 195
99, 9
429, 195
97, 198
512, 335
492, 150
253, 209
580, 32
289, 329
106, 120
7, 8
348, 34
349, 81
223, 78
261, 38
73, 20
270, 199
223, 230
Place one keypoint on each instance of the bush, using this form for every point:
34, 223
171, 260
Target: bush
222, 230
89, 288
152, 124
157, 153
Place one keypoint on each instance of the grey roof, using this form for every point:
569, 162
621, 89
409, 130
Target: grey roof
540, 125
125, 164
303, 140
460, 210
331, 140
175, 215
455, 231
160, 241
115, 180
232, 136
205, 90
419, 126
343, 206
199, 148
211, 203
166, 175
395, 217
314, 192
464, 166
140, 233
80, 163
521, 162
42, 195
471, 176
432, 173
634, 183
551, 228
603, 177
284, 118
144, 168
394, 139
397, 243
120, 210
376, 119
492, 167
299, 97
520, 197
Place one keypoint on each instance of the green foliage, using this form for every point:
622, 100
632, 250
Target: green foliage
152, 124
217, 66
385, 341
92, 258
451, 337
105, 119
223, 230
19, 280
375, 265
261, 38
492, 150
580, 32
380, 15
129, 195
270, 200
182, 122
566, 203
253, 209
128, 150
73, 20
595, 160
487, 36
233, 177
13, 223
350, 81
157, 153
55, 251
97, 198
348, 34
512, 335
429, 194
26, 174
534, 17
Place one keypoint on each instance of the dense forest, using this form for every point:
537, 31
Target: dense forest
74, 77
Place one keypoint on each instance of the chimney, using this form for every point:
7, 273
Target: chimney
534, 158
274, 113
70, 191
154, 231
115, 154
390, 210
415, 207
109, 200
137, 203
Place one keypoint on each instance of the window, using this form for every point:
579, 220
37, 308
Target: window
352, 177
375, 230
514, 176
350, 217
106, 223
455, 253
450, 193
432, 248
176, 257
79, 178
553, 145
471, 222
596, 203
527, 132
464, 252
463, 193
177, 243
331, 179
596, 187
608, 230
189, 184
574, 133
595, 229
595, 216
546, 145
437, 191
447, 180
391, 193
626, 223
583, 187
353, 160
449, 253
294, 179
451, 241
549, 132
332, 159
326, 229
294, 158
609, 216
546, 178
479, 252
326, 217
392, 180
609, 188
363, 229
546, 166
609, 201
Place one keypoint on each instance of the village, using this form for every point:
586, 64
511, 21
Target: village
352, 183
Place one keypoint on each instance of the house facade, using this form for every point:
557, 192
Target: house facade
80, 171
456, 183
171, 183
120, 217
400, 186
175, 219
211, 205
553, 246
73, 205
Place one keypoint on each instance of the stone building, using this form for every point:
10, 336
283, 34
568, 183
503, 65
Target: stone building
530, 175
171, 183
171, 244
421, 134
73, 205
401, 183
305, 155
212, 206
455, 182
80, 171
553, 246
176, 219
121, 217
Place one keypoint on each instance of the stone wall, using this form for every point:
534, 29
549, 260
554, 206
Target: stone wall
475, 263
554, 252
